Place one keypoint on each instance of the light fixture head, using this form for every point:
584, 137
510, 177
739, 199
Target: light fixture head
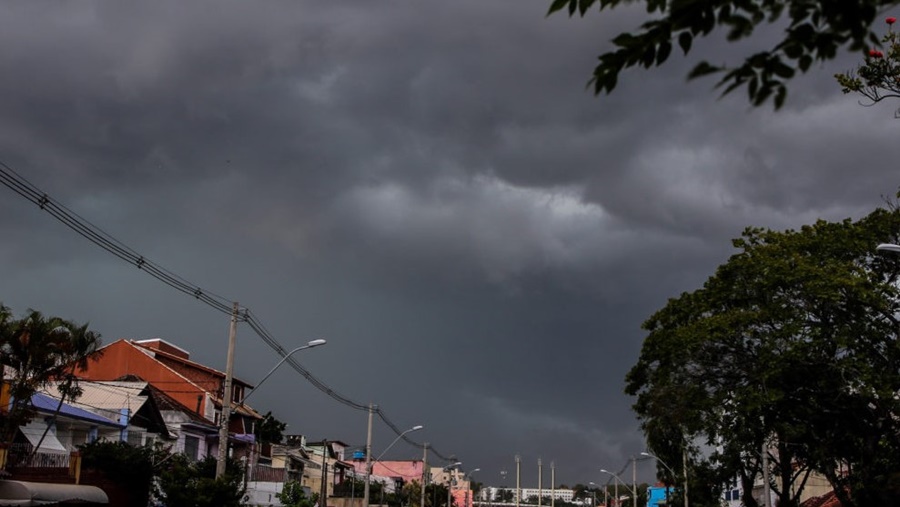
316, 343
888, 247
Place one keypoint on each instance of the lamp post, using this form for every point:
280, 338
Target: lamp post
447, 469
657, 458
370, 464
618, 480
594, 495
227, 395
424, 477
468, 487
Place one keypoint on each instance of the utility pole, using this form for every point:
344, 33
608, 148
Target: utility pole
518, 479
540, 484
553, 485
449, 488
368, 457
765, 470
424, 464
226, 395
634, 480
684, 464
324, 490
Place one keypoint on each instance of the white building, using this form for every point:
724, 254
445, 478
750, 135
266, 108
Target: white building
490, 494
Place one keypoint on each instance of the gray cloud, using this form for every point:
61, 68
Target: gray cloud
428, 185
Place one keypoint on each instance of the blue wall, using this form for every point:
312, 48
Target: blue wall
657, 496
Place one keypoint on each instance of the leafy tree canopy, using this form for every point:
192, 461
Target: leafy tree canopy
813, 31
270, 430
40, 350
792, 346
127, 465
186, 483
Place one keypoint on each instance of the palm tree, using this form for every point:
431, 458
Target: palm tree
41, 350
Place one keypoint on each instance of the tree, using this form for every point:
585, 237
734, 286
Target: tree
270, 430
436, 495
293, 495
792, 347
126, 465
186, 483
813, 31
878, 77
40, 350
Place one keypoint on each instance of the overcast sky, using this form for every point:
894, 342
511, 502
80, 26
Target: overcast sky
427, 185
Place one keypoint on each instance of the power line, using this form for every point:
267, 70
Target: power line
15, 182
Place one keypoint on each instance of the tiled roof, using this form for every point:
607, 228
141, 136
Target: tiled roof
827, 500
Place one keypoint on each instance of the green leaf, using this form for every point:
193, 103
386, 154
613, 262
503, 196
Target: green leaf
703, 69
780, 96
559, 4
684, 40
782, 70
665, 48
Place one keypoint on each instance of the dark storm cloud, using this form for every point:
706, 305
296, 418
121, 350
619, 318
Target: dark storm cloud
428, 185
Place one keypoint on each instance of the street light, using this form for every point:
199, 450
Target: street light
450, 481
888, 247
311, 344
227, 394
594, 494
370, 464
618, 480
657, 458
468, 488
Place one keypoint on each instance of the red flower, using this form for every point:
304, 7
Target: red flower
874, 53
891, 20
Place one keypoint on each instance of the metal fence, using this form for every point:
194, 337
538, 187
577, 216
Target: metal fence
20, 455
265, 473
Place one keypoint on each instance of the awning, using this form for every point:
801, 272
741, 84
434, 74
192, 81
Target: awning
33, 432
43, 493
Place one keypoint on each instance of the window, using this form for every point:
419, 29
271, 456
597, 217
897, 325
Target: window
192, 447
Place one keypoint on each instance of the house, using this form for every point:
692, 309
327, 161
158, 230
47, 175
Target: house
393, 474
193, 393
55, 432
133, 404
333, 470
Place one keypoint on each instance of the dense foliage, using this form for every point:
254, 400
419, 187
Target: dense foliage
293, 495
790, 352
186, 483
127, 465
813, 31
39, 350
270, 430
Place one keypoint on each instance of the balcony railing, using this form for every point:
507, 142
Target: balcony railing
20, 455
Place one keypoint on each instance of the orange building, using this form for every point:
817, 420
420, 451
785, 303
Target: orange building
169, 369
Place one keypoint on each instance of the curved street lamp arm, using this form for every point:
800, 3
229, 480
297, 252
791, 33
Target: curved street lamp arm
414, 428
657, 458
314, 343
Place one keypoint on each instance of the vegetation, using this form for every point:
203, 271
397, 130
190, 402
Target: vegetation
40, 350
127, 465
186, 483
270, 430
789, 352
813, 32
293, 495
878, 77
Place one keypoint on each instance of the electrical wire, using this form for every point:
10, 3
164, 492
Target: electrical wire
15, 182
